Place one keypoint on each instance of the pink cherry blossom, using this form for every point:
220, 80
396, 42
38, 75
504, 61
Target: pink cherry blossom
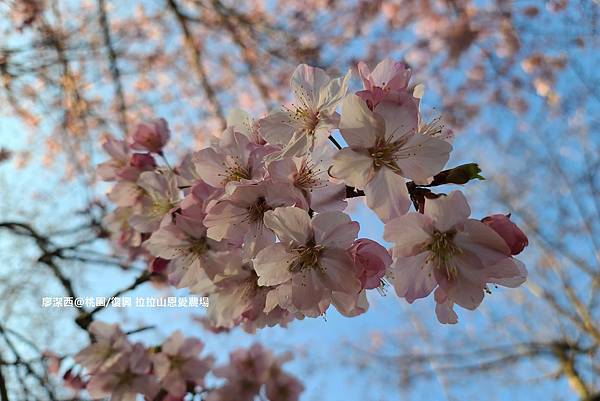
191, 253
117, 223
110, 344
443, 248
119, 153
514, 237
388, 81
384, 150
142, 161
373, 261
283, 387
236, 298
127, 377
309, 177
138, 163
246, 373
238, 217
311, 261
249, 371
151, 136
307, 123
243, 123
178, 364
160, 196
234, 160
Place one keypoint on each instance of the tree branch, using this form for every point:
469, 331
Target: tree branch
196, 60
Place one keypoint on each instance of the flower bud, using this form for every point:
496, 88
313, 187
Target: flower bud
142, 161
458, 175
510, 233
152, 136
373, 260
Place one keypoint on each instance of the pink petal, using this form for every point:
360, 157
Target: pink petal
352, 167
339, 272
401, 120
409, 233
413, 277
390, 74
271, 264
387, 194
307, 292
509, 272
423, 156
333, 92
306, 83
447, 211
277, 127
358, 125
334, 229
290, 224
444, 309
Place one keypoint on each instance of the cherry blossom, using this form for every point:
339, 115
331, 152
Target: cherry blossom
184, 242
388, 81
308, 176
373, 260
174, 370
243, 123
151, 136
178, 364
160, 195
234, 160
128, 376
111, 343
239, 217
119, 153
445, 250
307, 123
237, 299
514, 237
311, 261
255, 221
385, 149
250, 370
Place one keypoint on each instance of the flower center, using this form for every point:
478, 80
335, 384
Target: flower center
384, 153
257, 210
307, 257
236, 172
160, 207
308, 176
126, 378
177, 361
442, 250
199, 247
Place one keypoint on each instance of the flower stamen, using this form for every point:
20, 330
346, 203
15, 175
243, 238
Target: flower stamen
442, 250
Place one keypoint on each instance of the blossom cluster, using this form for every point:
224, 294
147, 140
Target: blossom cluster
175, 369
258, 220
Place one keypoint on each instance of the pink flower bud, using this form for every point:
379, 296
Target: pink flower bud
373, 260
151, 136
73, 380
159, 265
510, 233
142, 161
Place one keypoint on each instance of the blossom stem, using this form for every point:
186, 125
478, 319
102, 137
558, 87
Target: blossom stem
162, 156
